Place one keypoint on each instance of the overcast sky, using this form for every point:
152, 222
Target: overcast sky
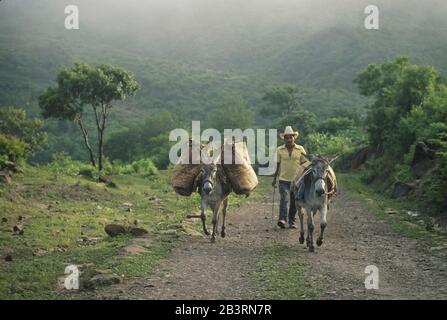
192, 15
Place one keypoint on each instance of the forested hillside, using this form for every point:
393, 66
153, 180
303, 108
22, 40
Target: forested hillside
192, 58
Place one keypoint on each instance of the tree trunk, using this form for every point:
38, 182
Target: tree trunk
101, 122
101, 149
86, 141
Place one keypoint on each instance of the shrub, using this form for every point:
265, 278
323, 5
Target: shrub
12, 149
14, 123
89, 172
64, 165
142, 166
326, 144
378, 169
433, 189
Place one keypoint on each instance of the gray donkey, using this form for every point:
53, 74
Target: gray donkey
312, 193
214, 188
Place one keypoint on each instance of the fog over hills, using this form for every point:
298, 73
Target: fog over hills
322, 44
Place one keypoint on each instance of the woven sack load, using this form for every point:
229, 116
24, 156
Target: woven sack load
237, 167
332, 181
187, 169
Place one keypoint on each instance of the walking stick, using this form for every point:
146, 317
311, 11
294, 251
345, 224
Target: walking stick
273, 203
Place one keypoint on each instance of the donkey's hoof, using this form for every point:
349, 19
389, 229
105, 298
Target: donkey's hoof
213, 239
311, 249
206, 232
301, 239
309, 244
223, 234
319, 242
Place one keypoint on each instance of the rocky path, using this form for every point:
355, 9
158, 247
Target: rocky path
355, 238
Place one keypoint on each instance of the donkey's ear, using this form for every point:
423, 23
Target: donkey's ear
213, 152
332, 159
206, 148
205, 145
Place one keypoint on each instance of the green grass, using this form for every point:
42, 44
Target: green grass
58, 210
400, 222
282, 275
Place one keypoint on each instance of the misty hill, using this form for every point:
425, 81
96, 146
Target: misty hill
189, 55
35, 46
292, 40
322, 43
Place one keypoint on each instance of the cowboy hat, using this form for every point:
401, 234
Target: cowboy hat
289, 131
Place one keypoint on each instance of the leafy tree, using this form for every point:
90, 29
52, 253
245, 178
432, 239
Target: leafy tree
335, 124
124, 145
145, 140
70, 141
410, 105
84, 85
284, 99
232, 113
397, 87
348, 114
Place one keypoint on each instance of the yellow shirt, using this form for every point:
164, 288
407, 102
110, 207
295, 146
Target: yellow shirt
288, 164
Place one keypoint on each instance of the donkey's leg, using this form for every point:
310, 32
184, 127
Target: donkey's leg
203, 218
215, 221
308, 235
301, 216
310, 230
323, 223
224, 214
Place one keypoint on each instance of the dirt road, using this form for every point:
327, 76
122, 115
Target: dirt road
355, 238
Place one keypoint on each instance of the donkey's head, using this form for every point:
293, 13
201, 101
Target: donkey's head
320, 169
209, 177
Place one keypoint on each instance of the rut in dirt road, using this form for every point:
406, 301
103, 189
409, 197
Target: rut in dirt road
354, 239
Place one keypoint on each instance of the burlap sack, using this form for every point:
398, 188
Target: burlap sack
332, 181
187, 169
237, 167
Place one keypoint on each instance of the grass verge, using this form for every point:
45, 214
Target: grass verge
63, 219
282, 276
418, 227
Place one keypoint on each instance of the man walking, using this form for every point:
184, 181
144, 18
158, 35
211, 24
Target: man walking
289, 157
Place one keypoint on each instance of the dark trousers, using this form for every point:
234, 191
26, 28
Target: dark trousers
287, 202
